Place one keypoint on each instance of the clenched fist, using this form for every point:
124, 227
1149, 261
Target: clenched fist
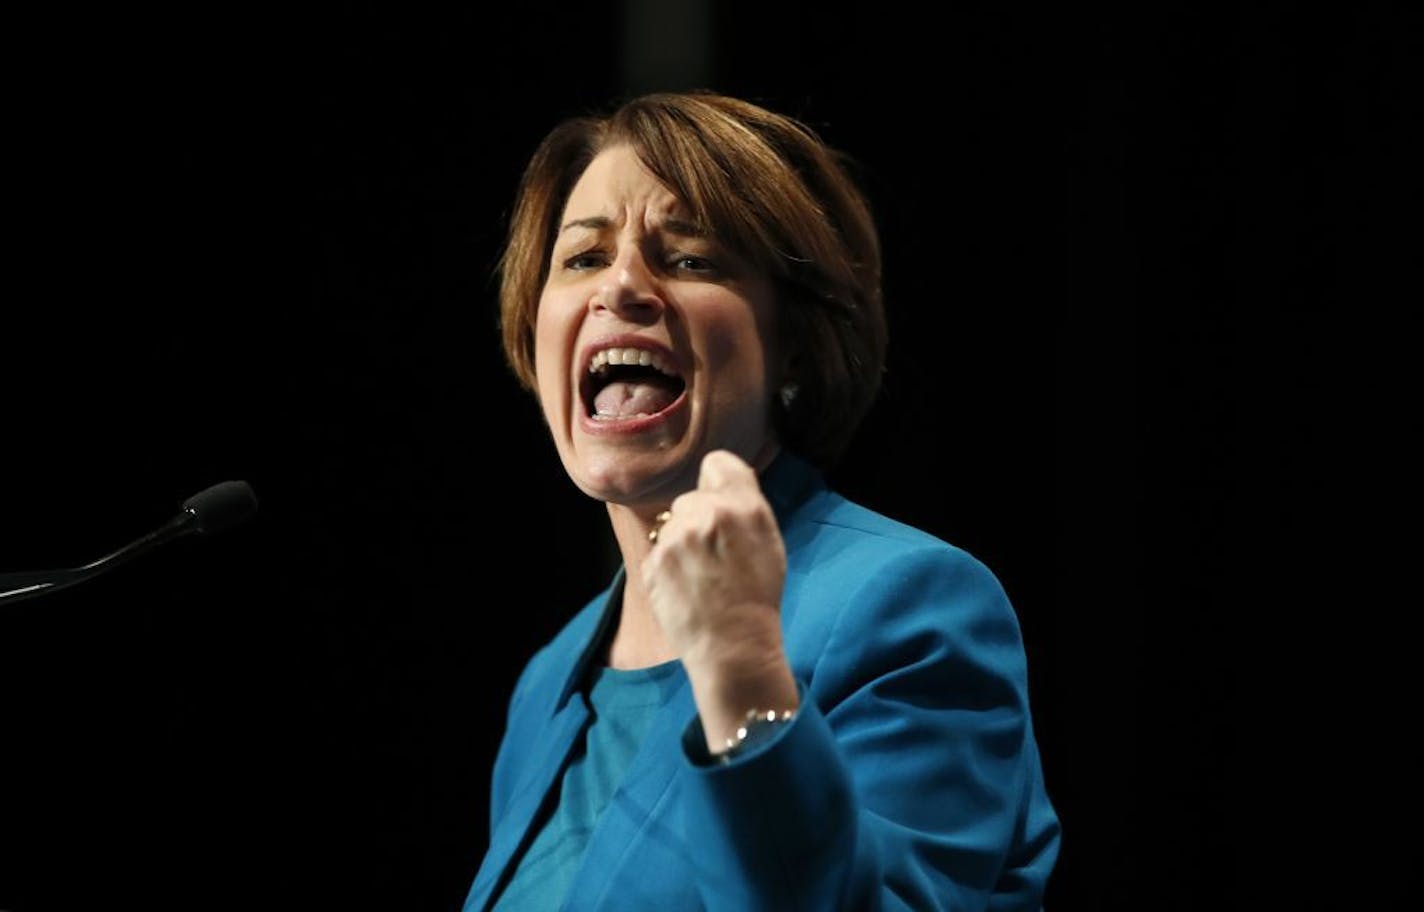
714, 580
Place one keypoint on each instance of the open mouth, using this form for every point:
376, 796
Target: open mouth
629, 383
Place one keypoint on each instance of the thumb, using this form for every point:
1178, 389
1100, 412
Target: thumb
723, 469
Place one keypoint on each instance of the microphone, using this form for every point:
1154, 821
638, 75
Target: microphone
209, 511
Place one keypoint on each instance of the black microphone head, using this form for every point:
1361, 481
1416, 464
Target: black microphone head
223, 505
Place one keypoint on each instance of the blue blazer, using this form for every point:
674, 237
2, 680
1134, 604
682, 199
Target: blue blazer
909, 779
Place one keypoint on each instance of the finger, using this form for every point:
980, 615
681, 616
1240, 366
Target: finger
722, 469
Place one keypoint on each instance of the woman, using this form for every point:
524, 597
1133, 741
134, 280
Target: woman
783, 700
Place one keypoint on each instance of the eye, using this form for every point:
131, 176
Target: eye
591, 259
689, 262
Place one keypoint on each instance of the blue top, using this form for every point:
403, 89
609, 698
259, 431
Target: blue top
909, 780
623, 703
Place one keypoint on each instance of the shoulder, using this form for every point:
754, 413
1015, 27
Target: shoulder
843, 544
825, 531
866, 590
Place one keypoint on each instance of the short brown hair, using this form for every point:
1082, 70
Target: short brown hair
770, 189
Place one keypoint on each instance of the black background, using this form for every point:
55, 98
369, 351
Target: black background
258, 244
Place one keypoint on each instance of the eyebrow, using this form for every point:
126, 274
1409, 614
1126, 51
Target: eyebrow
677, 226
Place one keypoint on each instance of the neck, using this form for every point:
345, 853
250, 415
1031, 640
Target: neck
638, 641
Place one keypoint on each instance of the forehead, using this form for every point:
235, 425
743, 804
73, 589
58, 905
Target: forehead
617, 185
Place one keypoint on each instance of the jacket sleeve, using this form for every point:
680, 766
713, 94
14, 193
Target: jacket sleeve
909, 779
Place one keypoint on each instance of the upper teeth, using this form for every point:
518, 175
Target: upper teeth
636, 356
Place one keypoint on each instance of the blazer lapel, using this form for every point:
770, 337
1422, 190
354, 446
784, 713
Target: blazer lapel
539, 775
638, 811
543, 766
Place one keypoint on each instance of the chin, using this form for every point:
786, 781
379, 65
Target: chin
632, 479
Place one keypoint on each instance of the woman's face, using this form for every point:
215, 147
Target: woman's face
653, 344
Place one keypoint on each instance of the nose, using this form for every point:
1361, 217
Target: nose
630, 291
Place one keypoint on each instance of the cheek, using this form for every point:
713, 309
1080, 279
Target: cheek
736, 348
741, 400
544, 345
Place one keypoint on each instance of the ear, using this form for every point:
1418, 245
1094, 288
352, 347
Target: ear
790, 378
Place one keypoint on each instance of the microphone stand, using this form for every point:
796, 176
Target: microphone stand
207, 511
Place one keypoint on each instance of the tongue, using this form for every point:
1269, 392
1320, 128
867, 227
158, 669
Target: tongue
626, 398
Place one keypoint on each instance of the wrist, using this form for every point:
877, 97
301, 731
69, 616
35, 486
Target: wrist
758, 727
748, 648
730, 693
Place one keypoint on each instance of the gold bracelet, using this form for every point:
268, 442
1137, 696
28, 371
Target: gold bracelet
757, 727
